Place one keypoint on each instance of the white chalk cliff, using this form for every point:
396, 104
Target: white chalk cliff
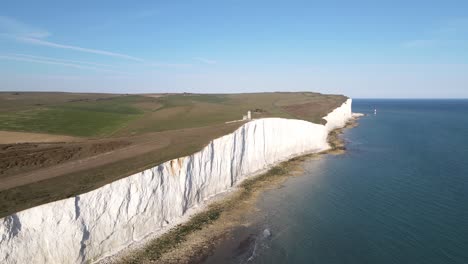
96, 224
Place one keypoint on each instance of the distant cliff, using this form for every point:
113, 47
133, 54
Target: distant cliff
102, 222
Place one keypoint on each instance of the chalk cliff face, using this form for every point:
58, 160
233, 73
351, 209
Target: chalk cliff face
101, 222
338, 117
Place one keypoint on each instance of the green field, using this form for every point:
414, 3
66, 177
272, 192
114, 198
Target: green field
76, 118
101, 115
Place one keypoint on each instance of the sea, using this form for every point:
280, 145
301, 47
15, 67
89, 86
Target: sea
398, 195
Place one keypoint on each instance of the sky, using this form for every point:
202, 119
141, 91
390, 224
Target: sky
363, 49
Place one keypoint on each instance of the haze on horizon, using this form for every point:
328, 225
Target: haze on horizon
363, 49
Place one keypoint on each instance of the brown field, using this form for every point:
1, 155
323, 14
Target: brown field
56, 145
9, 137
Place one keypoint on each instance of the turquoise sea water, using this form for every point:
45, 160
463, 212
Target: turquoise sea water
399, 195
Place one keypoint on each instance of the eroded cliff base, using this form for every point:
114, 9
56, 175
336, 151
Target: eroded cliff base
335, 140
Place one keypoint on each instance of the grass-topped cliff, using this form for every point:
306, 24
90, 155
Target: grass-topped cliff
101, 115
94, 139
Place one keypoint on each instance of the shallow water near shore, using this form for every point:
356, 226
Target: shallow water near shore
398, 195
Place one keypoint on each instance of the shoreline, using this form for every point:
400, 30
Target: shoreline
192, 240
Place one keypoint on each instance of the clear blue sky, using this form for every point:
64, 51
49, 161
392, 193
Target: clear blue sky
358, 48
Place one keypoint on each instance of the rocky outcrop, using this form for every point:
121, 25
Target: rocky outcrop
101, 222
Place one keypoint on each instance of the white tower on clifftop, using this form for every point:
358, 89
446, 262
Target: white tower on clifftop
249, 115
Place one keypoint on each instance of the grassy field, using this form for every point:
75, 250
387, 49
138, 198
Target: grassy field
193, 110
168, 126
76, 117
98, 115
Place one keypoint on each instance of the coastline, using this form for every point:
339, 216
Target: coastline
194, 239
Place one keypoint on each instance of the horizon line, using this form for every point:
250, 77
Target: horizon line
143, 93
